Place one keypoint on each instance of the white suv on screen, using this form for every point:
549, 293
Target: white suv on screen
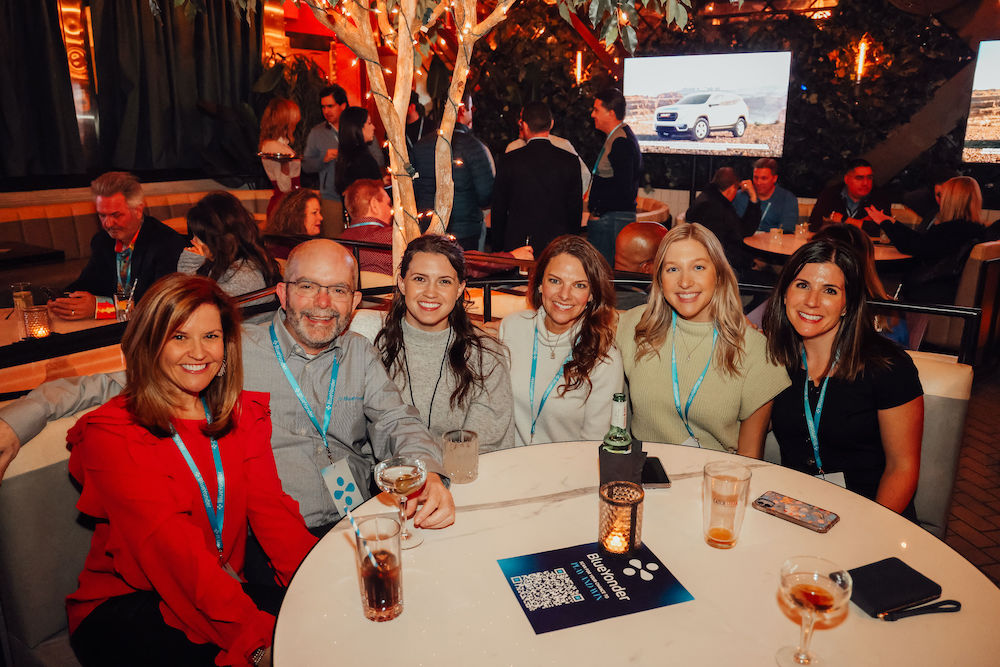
698, 114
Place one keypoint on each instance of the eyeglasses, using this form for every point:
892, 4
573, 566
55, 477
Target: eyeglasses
307, 289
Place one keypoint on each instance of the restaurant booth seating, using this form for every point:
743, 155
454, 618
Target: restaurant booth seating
981, 272
947, 386
43, 545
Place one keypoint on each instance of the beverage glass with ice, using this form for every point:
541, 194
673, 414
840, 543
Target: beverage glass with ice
725, 493
461, 456
382, 581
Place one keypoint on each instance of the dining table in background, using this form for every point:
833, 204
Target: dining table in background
459, 609
789, 243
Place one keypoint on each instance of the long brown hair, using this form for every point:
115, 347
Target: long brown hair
466, 341
597, 333
164, 308
725, 307
224, 225
857, 344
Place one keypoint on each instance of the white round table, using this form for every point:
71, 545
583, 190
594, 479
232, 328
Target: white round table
460, 610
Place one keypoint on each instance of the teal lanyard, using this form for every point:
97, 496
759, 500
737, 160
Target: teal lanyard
813, 417
604, 148
673, 372
216, 513
370, 223
531, 383
331, 390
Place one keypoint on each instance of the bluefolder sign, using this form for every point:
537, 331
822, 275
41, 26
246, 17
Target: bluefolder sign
582, 584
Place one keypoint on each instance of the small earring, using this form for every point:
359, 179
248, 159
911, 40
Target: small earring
222, 369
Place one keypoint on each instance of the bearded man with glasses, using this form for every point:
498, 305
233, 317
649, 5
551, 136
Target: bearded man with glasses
334, 411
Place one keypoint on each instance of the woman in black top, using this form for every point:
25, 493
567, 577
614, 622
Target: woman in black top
354, 160
855, 405
942, 250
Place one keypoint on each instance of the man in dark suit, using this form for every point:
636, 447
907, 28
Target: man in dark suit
132, 252
538, 194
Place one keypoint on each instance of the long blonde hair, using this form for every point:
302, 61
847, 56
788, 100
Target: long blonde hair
725, 307
961, 199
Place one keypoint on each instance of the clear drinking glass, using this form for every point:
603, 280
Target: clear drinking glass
123, 303
725, 493
22, 295
814, 592
402, 476
461, 456
382, 580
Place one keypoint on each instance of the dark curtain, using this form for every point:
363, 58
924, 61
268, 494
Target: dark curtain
38, 130
170, 86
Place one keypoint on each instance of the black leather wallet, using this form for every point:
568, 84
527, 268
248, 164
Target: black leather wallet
890, 589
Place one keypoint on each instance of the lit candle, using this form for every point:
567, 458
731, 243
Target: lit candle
36, 322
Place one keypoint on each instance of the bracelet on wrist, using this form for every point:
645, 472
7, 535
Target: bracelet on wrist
257, 655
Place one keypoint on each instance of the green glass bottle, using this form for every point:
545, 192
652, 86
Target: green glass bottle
617, 440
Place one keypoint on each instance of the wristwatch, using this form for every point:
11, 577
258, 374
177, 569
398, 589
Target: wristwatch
257, 655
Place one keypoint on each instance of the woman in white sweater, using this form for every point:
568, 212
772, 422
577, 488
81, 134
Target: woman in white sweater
454, 376
565, 368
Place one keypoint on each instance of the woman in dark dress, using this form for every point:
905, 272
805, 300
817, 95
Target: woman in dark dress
942, 250
355, 161
854, 411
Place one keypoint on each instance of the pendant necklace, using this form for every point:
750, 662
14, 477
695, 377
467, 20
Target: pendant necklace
692, 350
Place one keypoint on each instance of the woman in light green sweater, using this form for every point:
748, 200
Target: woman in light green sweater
456, 377
696, 373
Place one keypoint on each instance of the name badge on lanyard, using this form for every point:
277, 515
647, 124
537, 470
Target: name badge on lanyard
216, 511
812, 423
692, 440
531, 384
343, 488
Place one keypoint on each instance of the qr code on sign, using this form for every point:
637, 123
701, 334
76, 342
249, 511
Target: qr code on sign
541, 590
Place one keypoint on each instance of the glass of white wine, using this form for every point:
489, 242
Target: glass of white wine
814, 592
401, 476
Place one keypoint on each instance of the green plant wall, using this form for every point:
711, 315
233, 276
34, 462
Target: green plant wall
829, 118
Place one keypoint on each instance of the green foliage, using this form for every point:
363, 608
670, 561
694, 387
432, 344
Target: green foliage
299, 79
829, 118
518, 65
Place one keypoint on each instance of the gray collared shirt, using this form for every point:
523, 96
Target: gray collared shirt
369, 421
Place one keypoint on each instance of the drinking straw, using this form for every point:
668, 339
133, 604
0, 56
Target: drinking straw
364, 542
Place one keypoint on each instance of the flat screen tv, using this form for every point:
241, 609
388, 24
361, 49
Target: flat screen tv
982, 132
716, 104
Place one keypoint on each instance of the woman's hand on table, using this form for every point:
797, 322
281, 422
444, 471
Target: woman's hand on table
438, 507
76, 306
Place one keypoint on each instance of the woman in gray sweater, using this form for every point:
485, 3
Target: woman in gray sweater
455, 376
226, 246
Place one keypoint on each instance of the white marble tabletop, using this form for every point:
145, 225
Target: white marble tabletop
459, 609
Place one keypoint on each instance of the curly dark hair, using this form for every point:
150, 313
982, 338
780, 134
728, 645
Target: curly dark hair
224, 225
467, 342
597, 334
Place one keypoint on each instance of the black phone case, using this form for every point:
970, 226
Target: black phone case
653, 474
